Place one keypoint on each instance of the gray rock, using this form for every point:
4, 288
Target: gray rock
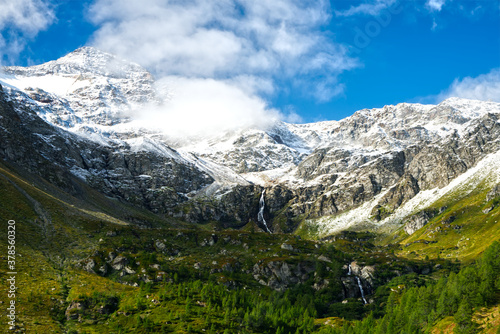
90, 265
73, 310
111, 256
129, 270
321, 284
350, 287
367, 273
488, 209
493, 193
160, 245
119, 263
103, 270
169, 185
210, 241
417, 221
231, 266
324, 259
279, 275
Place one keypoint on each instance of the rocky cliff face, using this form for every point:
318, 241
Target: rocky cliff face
279, 275
68, 119
147, 179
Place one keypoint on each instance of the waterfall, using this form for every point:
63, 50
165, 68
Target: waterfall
260, 215
350, 270
361, 290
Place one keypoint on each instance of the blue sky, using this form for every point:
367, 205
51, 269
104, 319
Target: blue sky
305, 60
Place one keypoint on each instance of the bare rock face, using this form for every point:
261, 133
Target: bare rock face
279, 275
365, 272
119, 263
493, 193
233, 208
359, 278
90, 266
322, 284
350, 287
148, 180
418, 221
397, 195
73, 310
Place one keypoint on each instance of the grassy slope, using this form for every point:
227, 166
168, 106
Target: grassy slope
462, 231
53, 229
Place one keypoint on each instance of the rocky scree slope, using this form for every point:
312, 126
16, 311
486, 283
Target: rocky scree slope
73, 114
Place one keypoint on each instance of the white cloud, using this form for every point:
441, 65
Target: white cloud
372, 8
205, 107
435, 5
21, 20
293, 117
216, 38
483, 87
236, 47
434, 25
29, 16
325, 90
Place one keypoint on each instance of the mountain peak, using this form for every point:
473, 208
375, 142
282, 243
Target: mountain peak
91, 60
88, 86
85, 60
85, 54
89, 50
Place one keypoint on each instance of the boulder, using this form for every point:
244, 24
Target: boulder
119, 263
73, 310
417, 221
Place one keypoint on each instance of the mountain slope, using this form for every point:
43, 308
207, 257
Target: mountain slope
324, 177
124, 228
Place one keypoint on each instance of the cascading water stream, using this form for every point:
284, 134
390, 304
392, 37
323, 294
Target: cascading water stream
350, 270
260, 215
361, 290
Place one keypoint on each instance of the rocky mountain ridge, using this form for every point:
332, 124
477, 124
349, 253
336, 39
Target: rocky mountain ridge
73, 113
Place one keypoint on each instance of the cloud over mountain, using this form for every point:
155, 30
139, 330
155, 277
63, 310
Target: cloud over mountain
483, 87
249, 44
205, 107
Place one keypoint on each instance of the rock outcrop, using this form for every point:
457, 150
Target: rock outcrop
417, 221
279, 275
359, 281
493, 193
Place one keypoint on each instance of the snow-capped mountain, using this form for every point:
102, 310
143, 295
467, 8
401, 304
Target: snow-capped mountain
85, 88
359, 171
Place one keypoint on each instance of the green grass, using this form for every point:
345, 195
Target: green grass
462, 231
57, 233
